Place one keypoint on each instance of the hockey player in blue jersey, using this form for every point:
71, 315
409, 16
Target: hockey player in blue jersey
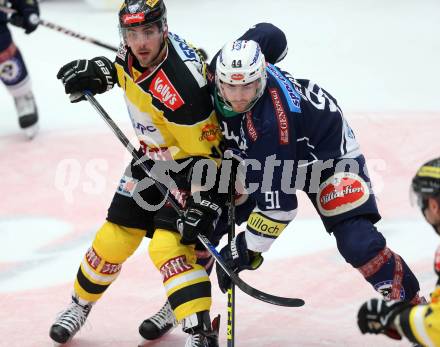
291, 135
296, 129
13, 71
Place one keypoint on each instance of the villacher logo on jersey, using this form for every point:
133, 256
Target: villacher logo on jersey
341, 193
163, 90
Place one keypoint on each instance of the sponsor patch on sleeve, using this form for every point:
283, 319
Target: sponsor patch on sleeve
385, 288
283, 123
261, 225
342, 192
252, 132
127, 186
292, 96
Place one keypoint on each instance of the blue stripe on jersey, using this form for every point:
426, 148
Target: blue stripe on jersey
292, 96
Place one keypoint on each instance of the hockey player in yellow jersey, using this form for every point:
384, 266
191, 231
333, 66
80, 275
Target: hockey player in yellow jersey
420, 324
163, 79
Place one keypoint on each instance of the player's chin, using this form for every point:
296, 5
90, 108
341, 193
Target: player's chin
144, 58
239, 108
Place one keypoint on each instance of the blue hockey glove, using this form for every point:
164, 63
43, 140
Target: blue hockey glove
198, 218
237, 256
376, 316
27, 15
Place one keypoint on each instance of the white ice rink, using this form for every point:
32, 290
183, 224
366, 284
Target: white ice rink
380, 59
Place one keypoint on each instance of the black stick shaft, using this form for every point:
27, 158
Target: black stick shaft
66, 31
230, 338
76, 35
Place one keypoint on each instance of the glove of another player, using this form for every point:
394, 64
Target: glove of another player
198, 218
376, 316
96, 75
237, 257
27, 16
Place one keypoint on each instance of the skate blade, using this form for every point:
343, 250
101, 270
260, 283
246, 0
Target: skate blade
32, 131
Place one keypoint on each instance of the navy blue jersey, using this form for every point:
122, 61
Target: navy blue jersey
294, 122
294, 138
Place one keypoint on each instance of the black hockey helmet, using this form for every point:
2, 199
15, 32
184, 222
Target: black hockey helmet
426, 182
135, 13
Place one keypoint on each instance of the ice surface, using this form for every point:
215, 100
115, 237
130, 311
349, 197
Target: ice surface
379, 59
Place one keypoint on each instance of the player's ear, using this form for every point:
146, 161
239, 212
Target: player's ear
434, 205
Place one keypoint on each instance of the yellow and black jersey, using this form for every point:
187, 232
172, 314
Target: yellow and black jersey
421, 323
170, 107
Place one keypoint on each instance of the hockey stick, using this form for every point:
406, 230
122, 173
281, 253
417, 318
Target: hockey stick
230, 335
63, 30
257, 294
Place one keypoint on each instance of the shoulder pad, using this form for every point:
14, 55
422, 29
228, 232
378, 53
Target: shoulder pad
189, 56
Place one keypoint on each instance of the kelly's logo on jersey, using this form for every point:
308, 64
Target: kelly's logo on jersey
163, 90
342, 192
210, 132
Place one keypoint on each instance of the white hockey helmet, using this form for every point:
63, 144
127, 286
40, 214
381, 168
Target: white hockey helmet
241, 62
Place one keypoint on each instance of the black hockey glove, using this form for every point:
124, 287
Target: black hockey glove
237, 256
198, 218
376, 316
27, 15
96, 75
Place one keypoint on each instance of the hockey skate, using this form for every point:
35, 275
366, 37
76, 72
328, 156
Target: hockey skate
69, 321
201, 333
159, 324
27, 114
